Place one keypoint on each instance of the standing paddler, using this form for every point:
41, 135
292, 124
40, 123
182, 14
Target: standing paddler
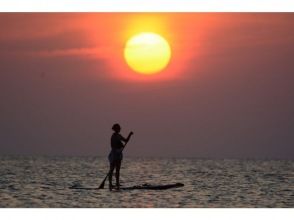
115, 156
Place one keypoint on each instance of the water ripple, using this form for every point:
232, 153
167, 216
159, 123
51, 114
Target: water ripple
45, 181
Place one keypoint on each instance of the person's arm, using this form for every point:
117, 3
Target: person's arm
128, 138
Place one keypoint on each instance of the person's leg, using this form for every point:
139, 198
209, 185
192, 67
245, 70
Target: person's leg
117, 173
112, 166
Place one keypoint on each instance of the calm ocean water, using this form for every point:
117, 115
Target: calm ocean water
45, 182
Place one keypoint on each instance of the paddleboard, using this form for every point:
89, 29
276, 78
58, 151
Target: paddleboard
154, 187
137, 187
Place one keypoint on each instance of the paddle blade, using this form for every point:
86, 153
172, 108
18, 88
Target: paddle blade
103, 183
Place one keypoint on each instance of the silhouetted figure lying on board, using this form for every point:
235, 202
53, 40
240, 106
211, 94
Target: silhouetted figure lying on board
115, 156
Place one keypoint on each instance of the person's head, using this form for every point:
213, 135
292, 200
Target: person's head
116, 127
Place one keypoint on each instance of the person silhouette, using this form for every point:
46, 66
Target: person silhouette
115, 156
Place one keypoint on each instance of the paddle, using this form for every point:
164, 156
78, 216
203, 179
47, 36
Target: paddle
103, 182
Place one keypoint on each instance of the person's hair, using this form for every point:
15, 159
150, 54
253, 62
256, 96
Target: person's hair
115, 126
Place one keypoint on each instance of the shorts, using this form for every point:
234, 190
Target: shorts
115, 155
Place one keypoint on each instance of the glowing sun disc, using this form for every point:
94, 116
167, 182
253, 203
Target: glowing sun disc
147, 53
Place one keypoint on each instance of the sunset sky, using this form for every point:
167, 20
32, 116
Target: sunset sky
227, 91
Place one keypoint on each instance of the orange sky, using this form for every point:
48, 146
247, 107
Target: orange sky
65, 69
102, 36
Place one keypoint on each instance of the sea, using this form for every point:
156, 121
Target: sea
45, 181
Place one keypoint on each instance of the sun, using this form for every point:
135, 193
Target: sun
147, 53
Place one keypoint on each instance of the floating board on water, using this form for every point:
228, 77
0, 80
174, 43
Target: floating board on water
154, 187
143, 186
84, 188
